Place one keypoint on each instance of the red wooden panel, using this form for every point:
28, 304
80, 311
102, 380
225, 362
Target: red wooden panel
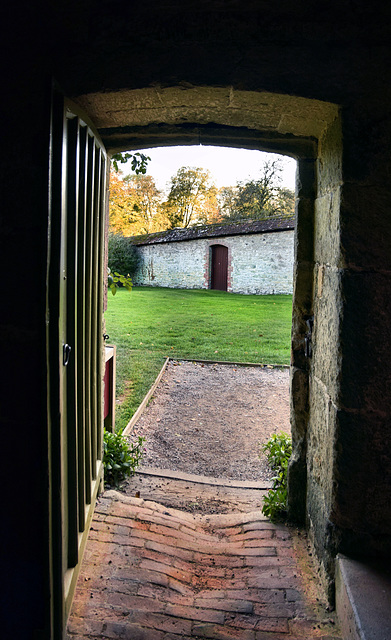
219, 276
107, 386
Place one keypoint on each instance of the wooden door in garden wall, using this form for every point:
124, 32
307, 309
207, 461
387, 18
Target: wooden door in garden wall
219, 267
74, 340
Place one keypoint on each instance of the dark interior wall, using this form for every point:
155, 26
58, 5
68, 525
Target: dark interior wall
25, 117
328, 51
363, 461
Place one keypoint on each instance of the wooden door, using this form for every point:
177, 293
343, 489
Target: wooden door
74, 339
219, 267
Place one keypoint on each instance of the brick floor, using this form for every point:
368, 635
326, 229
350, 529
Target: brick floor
155, 573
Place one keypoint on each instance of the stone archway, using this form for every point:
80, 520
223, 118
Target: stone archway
310, 131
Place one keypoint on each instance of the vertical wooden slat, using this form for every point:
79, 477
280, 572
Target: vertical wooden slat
89, 374
101, 280
96, 314
81, 325
71, 336
63, 340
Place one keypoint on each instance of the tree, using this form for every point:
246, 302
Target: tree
211, 210
146, 204
139, 161
122, 255
257, 199
285, 202
227, 198
191, 197
121, 205
135, 205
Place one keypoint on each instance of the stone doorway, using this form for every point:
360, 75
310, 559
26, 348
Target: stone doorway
310, 131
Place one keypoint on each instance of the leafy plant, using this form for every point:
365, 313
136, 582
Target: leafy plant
119, 458
139, 161
123, 256
114, 278
278, 450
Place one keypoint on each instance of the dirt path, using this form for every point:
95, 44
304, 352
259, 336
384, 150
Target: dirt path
210, 419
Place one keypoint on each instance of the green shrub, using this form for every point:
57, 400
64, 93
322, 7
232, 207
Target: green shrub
119, 458
278, 450
123, 257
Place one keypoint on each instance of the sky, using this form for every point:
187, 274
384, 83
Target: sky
226, 165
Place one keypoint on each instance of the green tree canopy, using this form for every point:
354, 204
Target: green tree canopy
122, 256
257, 199
190, 196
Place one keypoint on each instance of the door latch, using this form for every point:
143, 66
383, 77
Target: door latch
66, 353
308, 337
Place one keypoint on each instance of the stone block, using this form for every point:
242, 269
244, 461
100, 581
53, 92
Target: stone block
329, 163
366, 342
326, 341
327, 229
304, 242
366, 226
363, 600
362, 504
321, 441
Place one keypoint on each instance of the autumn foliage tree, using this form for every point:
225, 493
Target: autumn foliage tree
138, 207
146, 205
121, 202
192, 197
135, 205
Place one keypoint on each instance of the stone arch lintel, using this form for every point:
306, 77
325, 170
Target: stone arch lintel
278, 117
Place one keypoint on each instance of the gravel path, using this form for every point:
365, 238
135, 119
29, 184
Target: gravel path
210, 419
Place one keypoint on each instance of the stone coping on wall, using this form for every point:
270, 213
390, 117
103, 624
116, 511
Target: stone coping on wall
179, 234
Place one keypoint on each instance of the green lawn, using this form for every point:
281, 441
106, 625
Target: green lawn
149, 324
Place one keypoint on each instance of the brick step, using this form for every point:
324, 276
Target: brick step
153, 572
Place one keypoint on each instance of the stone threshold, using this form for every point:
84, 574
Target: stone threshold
363, 599
259, 365
208, 480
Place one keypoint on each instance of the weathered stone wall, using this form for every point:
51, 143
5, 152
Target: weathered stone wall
326, 358
180, 265
257, 263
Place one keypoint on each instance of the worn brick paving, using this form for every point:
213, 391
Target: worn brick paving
155, 573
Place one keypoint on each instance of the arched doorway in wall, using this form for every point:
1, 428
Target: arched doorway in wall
231, 123
219, 267
136, 119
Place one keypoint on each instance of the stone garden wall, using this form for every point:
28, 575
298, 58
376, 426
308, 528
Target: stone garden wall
257, 263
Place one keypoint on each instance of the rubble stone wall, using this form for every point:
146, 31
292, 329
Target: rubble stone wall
257, 263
